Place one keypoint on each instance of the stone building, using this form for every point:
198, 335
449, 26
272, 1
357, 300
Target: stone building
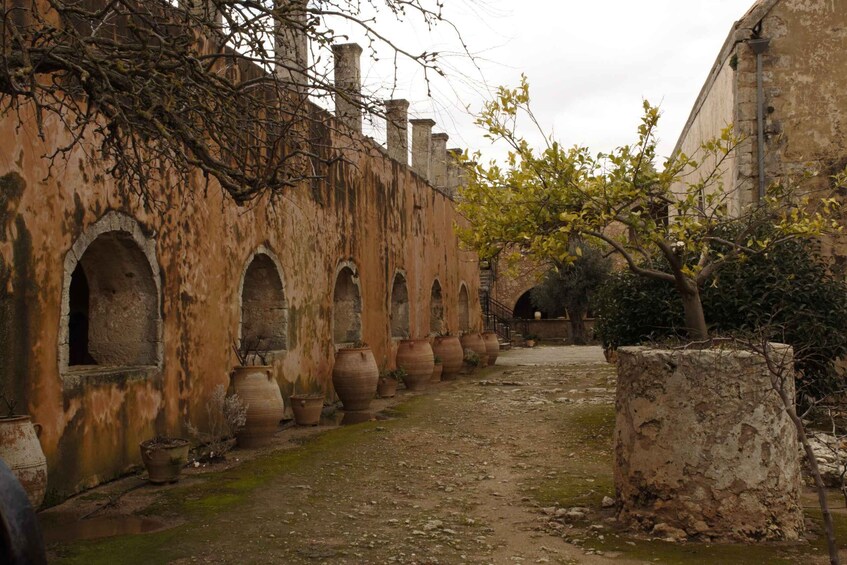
118, 319
779, 80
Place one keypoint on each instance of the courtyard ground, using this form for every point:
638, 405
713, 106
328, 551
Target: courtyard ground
510, 465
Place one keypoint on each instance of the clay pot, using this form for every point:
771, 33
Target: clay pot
492, 346
530, 343
307, 408
259, 391
355, 377
21, 451
164, 458
436, 373
475, 343
386, 388
449, 348
415, 356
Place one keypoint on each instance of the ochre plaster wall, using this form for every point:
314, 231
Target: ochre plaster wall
372, 212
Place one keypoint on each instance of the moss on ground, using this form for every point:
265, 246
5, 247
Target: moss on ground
204, 497
586, 477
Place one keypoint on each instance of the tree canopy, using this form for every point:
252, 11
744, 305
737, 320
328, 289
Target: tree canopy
571, 285
542, 198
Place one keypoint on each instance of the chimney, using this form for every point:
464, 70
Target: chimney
455, 173
422, 147
439, 160
397, 129
348, 85
291, 45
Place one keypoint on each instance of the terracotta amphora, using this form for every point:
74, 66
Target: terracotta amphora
354, 377
492, 346
449, 348
21, 450
415, 356
475, 343
259, 391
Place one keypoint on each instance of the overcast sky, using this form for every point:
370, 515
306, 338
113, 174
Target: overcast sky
589, 64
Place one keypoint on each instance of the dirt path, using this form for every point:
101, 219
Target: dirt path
508, 466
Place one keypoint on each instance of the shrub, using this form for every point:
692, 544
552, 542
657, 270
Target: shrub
790, 294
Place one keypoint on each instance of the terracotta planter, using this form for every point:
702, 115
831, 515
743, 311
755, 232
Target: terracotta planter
307, 408
164, 458
260, 393
415, 356
475, 343
436, 373
492, 346
530, 343
386, 388
449, 348
21, 451
355, 377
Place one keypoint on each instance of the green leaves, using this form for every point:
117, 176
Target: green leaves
544, 197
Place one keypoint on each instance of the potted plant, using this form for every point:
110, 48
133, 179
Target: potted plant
164, 457
355, 376
307, 407
531, 339
388, 381
439, 368
473, 340
226, 414
471, 361
257, 387
21, 451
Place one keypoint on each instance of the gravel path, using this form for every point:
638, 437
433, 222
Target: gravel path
510, 465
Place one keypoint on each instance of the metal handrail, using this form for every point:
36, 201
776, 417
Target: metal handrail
496, 316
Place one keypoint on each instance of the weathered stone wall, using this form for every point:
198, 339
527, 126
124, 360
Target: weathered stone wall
373, 214
806, 96
712, 112
558, 329
703, 445
805, 99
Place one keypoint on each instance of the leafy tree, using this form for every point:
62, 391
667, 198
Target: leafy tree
571, 285
544, 198
162, 89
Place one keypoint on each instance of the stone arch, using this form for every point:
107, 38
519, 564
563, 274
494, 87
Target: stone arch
264, 308
346, 305
525, 309
436, 308
399, 306
111, 298
464, 306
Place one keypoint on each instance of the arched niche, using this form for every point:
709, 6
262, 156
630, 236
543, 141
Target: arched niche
346, 306
399, 307
264, 310
110, 314
464, 308
436, 309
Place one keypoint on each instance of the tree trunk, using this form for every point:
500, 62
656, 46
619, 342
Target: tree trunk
577, 321
695, 321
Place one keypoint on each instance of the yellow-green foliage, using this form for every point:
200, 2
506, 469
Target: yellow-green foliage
545, 197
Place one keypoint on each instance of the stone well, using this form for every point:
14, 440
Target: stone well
703, 445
